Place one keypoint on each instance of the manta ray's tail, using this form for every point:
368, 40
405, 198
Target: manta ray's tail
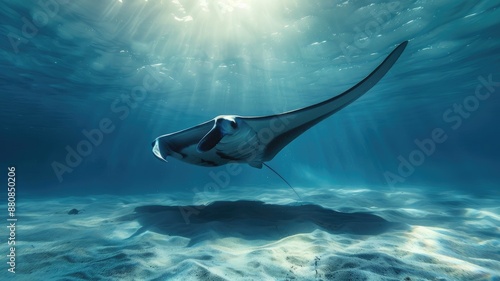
282, 179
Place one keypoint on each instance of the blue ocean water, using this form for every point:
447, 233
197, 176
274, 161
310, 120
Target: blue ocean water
67, 66
86, 86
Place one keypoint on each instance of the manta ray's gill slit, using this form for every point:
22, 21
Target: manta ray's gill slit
283, 180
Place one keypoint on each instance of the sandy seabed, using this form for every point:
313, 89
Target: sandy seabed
356, 234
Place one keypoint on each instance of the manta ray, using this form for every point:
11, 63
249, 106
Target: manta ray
257, 139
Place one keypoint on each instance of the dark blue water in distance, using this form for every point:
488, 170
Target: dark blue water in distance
74, 69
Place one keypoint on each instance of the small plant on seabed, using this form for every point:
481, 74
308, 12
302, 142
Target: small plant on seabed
316, 260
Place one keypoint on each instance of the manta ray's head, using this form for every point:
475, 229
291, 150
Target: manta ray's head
226, 124
223, 125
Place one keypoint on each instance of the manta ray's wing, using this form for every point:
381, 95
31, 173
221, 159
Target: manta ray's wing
182, 142
276, 131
